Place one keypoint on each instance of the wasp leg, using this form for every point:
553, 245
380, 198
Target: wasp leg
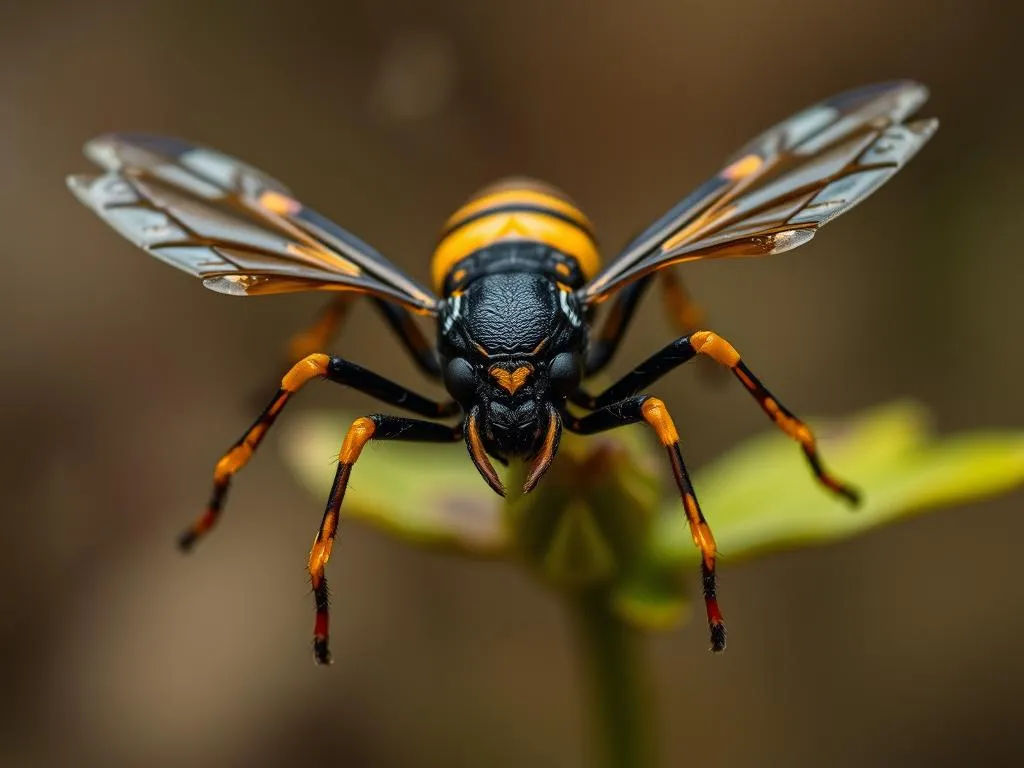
314, 337
653, 411
363, 430
716, 348
315, 366
684, 315
319, 333
681, 311
404, 326
604, 345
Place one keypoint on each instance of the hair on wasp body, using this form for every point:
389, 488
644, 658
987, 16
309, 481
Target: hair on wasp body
516, 280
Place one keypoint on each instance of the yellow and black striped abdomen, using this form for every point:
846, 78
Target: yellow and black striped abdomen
516, 209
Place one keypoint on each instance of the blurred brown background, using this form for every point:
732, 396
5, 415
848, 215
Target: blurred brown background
124, 379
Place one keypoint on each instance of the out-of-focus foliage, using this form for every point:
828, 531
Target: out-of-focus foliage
600, 516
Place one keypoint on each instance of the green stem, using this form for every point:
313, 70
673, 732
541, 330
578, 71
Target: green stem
619, 700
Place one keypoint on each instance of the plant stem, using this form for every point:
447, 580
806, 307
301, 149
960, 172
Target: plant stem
619, 697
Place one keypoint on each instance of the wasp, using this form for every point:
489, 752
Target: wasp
516, 281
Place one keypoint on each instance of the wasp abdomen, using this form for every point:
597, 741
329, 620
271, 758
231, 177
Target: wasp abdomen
516, 225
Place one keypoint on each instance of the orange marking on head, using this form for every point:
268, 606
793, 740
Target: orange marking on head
743, 167
310, 367
511, 381
715, 347
358, 435
459, 275
563, 269
656, 414
277, 203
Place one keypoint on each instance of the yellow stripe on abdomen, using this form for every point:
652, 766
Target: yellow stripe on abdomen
516, 209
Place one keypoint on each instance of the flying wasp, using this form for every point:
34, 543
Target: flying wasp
516, 279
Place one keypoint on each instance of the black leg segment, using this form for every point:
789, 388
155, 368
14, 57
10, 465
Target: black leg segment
315, 366
401, 321
606, 342
362, 431
325, 326
684, 349
652, 411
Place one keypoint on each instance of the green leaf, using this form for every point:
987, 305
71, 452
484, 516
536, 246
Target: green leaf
599, 518
761, 497
425, 494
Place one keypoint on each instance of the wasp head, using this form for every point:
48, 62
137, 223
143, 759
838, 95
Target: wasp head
513, 350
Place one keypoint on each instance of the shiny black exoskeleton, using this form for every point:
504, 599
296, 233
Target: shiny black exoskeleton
512, 347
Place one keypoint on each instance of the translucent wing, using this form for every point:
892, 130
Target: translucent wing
775, 193
234, 227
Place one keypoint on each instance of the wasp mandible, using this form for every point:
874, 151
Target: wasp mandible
517, 279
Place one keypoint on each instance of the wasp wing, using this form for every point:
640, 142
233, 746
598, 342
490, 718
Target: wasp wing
234, 227
775, 193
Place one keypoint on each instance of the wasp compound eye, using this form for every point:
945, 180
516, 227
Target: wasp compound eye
565, 372
460, 379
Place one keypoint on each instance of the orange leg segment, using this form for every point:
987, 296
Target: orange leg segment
307, 369
319, 333
723, 353
681, 311
313, 366
364, 429
651, 410
714, 347
656, 414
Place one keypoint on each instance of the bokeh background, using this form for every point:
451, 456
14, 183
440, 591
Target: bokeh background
123, 380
